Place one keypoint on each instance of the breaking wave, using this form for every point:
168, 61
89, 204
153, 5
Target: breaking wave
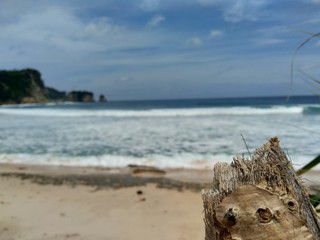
178, 112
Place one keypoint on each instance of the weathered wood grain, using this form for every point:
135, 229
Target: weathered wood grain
259, 198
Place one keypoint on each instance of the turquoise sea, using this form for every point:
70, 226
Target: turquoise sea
193, 133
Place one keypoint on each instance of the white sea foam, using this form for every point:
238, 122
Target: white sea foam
153, 112
184, 160
88, 135
192, 161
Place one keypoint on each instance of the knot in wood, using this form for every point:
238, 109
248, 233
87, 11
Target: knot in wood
264, 215
230, 218
292, 205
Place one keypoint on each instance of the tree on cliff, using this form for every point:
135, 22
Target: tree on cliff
26, 86
19, 86
80, 96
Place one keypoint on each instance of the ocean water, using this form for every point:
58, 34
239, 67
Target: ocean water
169, 133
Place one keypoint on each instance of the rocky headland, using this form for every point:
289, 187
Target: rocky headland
26, 86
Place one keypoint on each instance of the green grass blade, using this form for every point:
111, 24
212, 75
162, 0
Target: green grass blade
315, 35
315, 200
309, 166
309, 76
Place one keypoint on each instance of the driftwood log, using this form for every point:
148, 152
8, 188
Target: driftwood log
259, 198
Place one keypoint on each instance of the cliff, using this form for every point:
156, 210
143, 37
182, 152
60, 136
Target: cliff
54, 94
26, 86
80, 96
102, 98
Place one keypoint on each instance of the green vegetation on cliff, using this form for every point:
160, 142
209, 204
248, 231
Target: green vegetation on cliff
21, 86
80, 96
26, 86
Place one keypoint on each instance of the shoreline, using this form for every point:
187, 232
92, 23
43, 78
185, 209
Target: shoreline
180, 174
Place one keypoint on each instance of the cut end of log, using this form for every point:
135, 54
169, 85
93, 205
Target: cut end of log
259, 198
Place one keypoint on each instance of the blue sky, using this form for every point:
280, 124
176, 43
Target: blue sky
159, 49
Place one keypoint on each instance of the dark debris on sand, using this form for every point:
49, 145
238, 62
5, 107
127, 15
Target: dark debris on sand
107, 181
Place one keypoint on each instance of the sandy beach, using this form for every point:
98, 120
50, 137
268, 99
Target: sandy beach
54, 203
76, 203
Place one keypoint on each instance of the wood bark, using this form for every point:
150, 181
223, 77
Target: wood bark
259, 198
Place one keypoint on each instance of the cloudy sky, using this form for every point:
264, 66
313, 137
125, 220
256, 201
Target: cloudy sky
158, 49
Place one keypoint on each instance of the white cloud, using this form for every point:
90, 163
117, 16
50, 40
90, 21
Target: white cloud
58, 29
238, 10
195, 41
13, 9
99, 29
149, 5
155, 21
216, 33
66, 48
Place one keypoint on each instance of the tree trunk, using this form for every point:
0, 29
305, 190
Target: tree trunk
259, 198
